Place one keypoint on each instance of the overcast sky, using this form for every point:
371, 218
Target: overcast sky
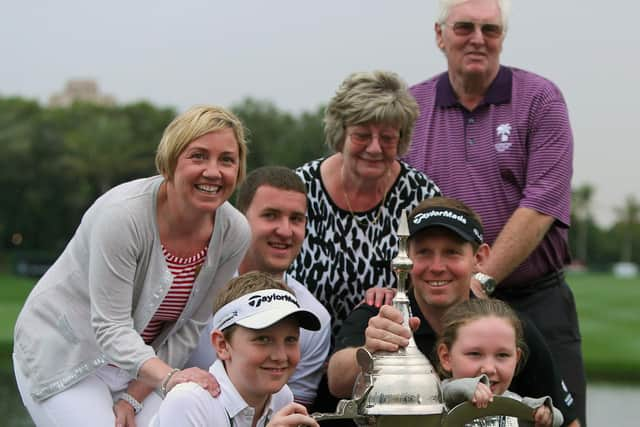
296, 52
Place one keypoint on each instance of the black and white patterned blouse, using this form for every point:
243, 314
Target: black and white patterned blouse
343, 255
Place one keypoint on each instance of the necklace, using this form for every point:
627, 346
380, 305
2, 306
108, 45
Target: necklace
364, 221
353, 215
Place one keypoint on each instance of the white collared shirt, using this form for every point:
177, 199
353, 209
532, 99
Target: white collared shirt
190, 405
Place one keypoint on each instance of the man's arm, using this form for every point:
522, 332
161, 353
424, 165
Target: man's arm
384, 332
539, 375
546, 196
522, 233
342, 372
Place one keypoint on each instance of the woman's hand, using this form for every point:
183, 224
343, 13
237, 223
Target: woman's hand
482, 396
292, 415
125, 416
377, 296
198, 376
543, 417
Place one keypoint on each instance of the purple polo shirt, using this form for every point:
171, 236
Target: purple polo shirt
514, 150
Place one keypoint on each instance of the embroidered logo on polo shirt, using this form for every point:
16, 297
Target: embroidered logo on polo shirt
503, 131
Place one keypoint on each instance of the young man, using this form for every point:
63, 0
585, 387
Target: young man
274, 202
255, 334
447, 248
499, 138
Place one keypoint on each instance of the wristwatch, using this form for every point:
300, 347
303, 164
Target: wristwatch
488, 283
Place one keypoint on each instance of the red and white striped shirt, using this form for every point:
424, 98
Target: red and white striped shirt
184, 271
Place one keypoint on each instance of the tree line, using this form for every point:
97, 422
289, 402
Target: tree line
56, 161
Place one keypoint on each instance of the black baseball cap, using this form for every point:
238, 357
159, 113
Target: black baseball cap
452, 219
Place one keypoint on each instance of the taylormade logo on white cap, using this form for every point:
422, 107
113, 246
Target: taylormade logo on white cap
257, 300
261, 309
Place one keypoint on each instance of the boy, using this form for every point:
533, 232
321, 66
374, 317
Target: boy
255, 335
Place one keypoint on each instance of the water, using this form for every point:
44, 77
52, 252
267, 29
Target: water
613, 405
607, 405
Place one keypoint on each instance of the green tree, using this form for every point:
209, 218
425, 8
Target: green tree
629, 218
277, 137
18, 168
56, 161
581, 208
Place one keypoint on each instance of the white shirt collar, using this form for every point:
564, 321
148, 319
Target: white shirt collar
231, 399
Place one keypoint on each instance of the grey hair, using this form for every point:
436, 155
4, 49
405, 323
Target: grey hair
445, 6
378, 97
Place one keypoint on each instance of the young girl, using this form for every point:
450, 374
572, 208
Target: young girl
255, 335
480, 349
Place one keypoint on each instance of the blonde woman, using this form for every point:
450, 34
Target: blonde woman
119, 312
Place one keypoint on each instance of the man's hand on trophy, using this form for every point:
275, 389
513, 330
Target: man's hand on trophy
386, 332
377, 296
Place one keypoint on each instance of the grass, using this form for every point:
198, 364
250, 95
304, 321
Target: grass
13, 292
609, 323
607, 308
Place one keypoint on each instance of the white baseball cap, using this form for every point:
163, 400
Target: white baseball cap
261, 309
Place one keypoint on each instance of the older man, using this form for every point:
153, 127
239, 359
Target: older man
499, 139
274, 201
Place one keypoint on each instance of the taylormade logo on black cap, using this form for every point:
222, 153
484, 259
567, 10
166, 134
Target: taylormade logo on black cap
478, 234
423, 216
457, 221
257, 300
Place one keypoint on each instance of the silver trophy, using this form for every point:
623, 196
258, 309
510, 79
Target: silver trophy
401, 388
397, 388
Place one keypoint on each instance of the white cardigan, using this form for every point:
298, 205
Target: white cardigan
91, 306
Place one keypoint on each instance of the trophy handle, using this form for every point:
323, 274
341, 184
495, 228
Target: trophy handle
348, 409
466, 412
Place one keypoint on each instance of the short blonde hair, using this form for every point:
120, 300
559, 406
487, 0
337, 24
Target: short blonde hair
375, 97
191, 125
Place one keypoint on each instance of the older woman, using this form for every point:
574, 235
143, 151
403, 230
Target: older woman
357, 194
121, 309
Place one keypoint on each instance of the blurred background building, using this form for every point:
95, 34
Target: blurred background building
84, 90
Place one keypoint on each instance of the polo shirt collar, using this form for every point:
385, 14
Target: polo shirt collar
499, 91
232, 401
425, 328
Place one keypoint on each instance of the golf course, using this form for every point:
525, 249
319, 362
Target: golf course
607, 307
